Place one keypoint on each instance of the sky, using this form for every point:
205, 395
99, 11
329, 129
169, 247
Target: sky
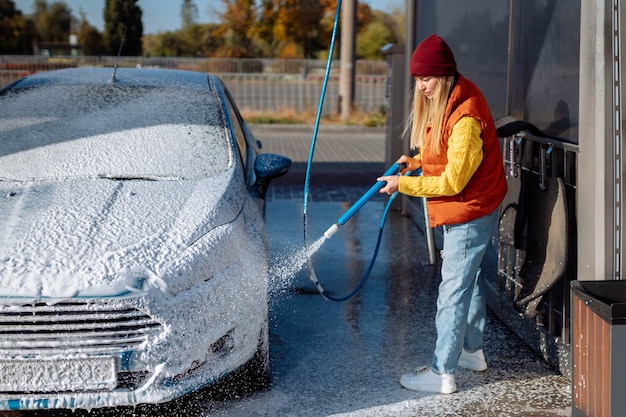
164, 15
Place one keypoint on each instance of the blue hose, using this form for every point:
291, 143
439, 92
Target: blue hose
318, 117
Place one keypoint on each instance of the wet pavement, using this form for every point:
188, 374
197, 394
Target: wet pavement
345, 359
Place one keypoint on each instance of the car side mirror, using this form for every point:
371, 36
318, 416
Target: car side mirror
268, 166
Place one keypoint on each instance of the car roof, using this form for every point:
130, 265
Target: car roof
82, 117
144, 77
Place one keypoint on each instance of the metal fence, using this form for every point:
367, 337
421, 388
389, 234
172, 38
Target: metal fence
258, 85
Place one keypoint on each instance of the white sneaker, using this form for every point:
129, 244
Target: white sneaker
474, 361
424, 379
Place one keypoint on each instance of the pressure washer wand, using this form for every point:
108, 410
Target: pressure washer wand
393, 169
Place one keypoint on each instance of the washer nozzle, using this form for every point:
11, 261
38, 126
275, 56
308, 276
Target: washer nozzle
331, 231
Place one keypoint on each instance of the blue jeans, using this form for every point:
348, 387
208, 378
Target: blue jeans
461, 304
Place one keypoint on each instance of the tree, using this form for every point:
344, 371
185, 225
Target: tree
364, 16
89, 37
299, 21
371, 40
52, 22
291, 28
196, 40
189, 13
16, 31
264, 29
163, 44
200, 40
326, 27
237, 28
122, 22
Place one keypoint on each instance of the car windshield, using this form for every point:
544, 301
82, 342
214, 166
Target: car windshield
86, 131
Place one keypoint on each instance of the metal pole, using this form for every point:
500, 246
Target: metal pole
346, 75
430, 237
411, 43
510, 57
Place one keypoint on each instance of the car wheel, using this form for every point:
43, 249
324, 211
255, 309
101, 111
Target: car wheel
253, 376
256, 375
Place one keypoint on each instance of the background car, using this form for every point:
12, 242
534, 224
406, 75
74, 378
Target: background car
134, 256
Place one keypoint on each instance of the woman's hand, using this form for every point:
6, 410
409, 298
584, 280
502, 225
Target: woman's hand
411, 164
392, 184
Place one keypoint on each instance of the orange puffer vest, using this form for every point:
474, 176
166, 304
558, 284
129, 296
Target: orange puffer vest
487, 187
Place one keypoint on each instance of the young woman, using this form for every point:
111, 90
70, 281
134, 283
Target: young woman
463, 180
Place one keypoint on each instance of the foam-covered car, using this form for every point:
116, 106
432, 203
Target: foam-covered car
133, 248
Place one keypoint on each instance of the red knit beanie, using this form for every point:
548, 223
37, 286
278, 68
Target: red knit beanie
432, 56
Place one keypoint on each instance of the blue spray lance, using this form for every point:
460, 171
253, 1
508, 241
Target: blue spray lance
361, 201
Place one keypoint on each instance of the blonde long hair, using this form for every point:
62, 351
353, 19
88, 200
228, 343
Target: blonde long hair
428, 113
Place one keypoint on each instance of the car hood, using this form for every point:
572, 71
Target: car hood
63, 239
